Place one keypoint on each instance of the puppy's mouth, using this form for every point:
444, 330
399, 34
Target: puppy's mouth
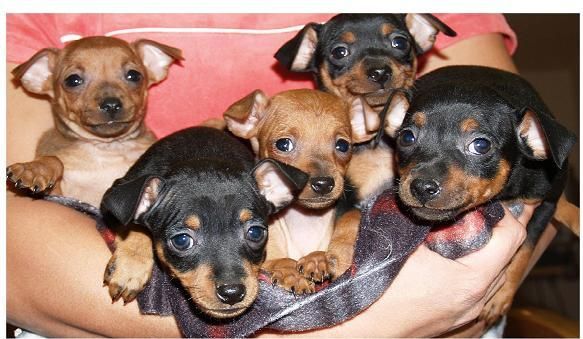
317, 203
435, 215
224, 313
109, 129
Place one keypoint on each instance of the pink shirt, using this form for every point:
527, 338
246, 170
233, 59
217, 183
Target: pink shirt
226, 55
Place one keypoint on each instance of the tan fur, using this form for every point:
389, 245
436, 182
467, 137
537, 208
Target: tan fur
200, 283
193, 222
419, 119
89, 147
87, 150
371, 171
313, 121
567, 214
469, 125
348, 37
130, 267
386, 29
500, 303
460, 191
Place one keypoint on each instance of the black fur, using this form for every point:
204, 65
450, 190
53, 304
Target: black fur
497, 101
370, 43
209, 174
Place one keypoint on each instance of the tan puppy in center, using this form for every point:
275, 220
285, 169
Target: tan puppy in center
313, 131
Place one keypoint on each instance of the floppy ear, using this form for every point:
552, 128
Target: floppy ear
157, 58
424, 29
36, 74
297, 54
244, 116
365, 122
278, 183
544, 138
129, 200
396, 114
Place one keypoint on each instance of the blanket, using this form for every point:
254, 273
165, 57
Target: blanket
386, 239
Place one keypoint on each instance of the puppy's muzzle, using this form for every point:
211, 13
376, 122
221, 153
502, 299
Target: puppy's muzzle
322, 185
231, 293
425, 190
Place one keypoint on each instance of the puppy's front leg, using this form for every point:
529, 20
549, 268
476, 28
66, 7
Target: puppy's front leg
337, 259
130, 266
40, 175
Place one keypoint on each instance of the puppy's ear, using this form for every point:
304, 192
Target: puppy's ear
244, 116
396, 114
542, 137
365, 122
424, 29
278, 183
36, 74
157, 58
297, 54
129, 200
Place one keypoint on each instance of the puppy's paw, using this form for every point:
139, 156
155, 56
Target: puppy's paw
498, 306
127, 274
283, 273
337, 264
35, 176
314, 266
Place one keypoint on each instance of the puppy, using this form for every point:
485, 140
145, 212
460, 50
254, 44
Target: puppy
98, 90
373, 56
475, 134
205, 206
313, 131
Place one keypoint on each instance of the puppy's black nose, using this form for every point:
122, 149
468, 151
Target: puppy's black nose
425, 190
379, 75
111, 106
322, 185
231, 293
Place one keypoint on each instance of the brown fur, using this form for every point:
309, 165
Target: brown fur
314, 121
78, 156
515, 273
91, 146
468, 125
419, 119
193, 222
348, 37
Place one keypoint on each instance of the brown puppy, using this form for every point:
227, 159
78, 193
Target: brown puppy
98, 91
312, 131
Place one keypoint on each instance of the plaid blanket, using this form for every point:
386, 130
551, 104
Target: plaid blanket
386, 238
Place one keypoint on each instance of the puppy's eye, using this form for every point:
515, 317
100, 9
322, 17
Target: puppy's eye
182, 242
479, 146
133, 76
340, 52
284, 145
74, 80
342, 145
256, 236
400, 43
406, 138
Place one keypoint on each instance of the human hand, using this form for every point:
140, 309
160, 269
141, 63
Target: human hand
441, 294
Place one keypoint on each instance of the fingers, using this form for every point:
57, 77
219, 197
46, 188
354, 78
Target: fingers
507, 236
495, 286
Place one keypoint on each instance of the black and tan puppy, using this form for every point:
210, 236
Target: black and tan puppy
98, 88
205, 205
373, 56
475, 134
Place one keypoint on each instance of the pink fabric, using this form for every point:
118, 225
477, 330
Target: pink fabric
220, 68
